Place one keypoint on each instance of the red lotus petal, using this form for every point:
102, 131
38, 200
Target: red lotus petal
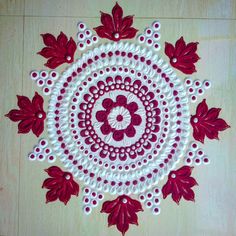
113, 216
212, 114
117, 14
51, 195
54, 171
71, 48
17, 115
130, 131
132, 217
208, 123
58, 50
176, 192
188, 194
38, 127
185, 55
62, 40
220, 124
186, 68
102, 32
24, 103
64, 194
132, 107
126, 23
101, 116
122, 213
189, 60
169, 50
180, 45
73, 187
37, 102
189, 181
115, 27
189, 49
198, 133
109, 206
167, 189
107, 21
122, 223
202, 109
136, 119
184, 171
179, 184
51, 183
49, 40
134, 204
118, 135
129, 33
54, 62
209, 129
48, 52
25, 126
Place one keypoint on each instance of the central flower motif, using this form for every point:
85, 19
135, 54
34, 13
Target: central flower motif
119, 118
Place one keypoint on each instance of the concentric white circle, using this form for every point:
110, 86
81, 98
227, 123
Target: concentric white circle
151, 132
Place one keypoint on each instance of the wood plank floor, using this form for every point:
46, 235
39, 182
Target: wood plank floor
23, 211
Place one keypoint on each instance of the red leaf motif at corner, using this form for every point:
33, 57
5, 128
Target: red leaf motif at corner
58, 51
116, 27
31, 114
182, 56
180, 185
122, 212
61, 185
206, 122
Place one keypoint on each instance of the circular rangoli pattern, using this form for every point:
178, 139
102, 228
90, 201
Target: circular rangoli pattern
119, 118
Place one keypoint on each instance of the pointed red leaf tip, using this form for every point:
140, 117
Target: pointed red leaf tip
31, 114
206, 122
122, 212
61, 185
182, 56
179, 185
116, 27
58, 51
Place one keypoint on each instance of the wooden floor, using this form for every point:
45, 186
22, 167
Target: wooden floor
23, 211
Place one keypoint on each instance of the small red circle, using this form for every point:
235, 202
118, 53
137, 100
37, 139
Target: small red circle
119, 118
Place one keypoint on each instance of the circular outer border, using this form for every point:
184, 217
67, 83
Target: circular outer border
152, 66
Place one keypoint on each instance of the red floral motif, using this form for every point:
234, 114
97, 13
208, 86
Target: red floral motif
116, 27
182, 56
207, 123
119, 118
58, 51
61, 185
179, 184
122, 212
31, 114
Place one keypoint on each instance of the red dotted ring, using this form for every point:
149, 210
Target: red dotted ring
119, 118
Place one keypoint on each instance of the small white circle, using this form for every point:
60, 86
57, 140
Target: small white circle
68, 58
173, 176
67, 177
124, 200
119, 124
174, 60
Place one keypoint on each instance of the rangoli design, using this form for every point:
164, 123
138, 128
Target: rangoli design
119, 119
